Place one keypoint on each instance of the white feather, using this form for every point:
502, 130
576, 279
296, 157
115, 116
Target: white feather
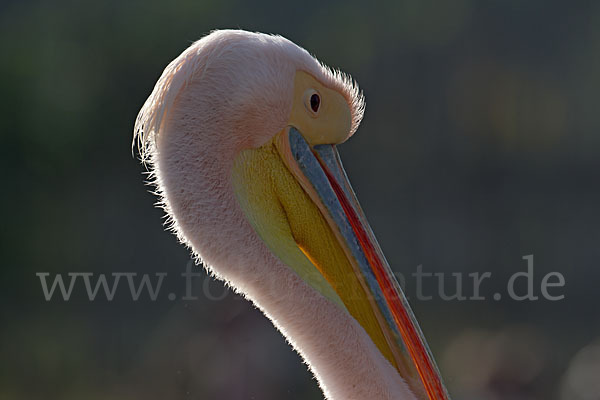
229, 91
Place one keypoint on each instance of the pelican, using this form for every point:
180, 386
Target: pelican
240, 135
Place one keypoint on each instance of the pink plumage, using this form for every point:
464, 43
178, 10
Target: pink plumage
229, 91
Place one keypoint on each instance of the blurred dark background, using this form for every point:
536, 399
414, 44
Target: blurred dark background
480, 145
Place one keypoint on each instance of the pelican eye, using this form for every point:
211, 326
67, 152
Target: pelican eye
315, 102
312, 101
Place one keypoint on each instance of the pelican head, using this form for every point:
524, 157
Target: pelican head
240, 133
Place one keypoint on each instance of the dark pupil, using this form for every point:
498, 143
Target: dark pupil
315, 101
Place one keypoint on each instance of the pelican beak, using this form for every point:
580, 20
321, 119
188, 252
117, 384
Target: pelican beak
319, 171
